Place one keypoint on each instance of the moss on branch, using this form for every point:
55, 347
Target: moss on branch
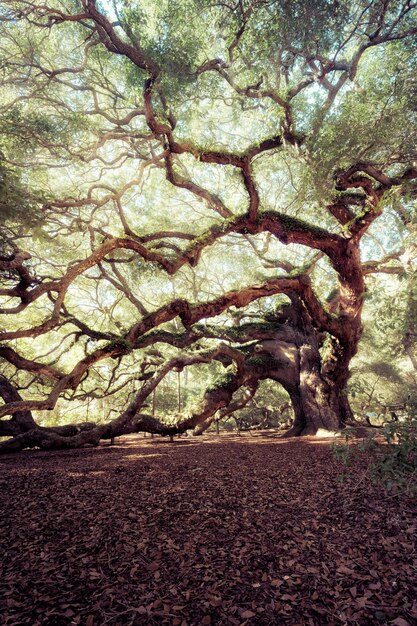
226, 382
293, 224
262, 363
120, 343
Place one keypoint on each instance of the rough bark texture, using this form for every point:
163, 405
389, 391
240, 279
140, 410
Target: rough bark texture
317, 392
21, 421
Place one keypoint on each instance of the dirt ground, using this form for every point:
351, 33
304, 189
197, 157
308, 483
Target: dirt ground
212, 530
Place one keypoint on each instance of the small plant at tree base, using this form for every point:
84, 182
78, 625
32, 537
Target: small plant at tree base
391, 455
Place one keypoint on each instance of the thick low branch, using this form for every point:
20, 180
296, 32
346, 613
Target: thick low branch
233, 406
28, 365
192, 314
13, 261
22, 420
131, 420
286, 229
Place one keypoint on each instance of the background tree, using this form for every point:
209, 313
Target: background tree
252, 163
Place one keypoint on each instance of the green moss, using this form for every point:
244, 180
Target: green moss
291, 224
240, 333
262, 363
248, 348
120, 342
225, 382
224, 227
261, 327
216, 230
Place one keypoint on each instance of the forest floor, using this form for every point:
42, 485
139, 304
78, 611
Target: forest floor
212, 530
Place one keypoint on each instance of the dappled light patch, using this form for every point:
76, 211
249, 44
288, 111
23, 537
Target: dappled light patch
326, 434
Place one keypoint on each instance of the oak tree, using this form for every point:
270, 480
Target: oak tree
191, 182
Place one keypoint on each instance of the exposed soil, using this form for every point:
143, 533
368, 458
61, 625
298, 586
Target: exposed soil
214, 530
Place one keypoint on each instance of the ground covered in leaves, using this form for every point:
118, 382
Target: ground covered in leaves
212, 530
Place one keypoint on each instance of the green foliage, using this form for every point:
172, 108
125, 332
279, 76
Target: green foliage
381, 98
16, 203
383, 374
273, 25
390, 455
162, 30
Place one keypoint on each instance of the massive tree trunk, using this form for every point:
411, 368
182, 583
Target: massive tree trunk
317, 405
316, 384
320, 402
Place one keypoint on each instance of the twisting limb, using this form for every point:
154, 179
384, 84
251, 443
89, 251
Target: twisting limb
131, 420
248, 392
21, 421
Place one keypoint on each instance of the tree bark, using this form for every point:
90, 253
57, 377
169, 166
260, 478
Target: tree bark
317, 387
20, 422
317, 406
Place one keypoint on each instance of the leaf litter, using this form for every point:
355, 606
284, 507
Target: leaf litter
215, 530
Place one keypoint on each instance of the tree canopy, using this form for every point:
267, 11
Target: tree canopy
223, 193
